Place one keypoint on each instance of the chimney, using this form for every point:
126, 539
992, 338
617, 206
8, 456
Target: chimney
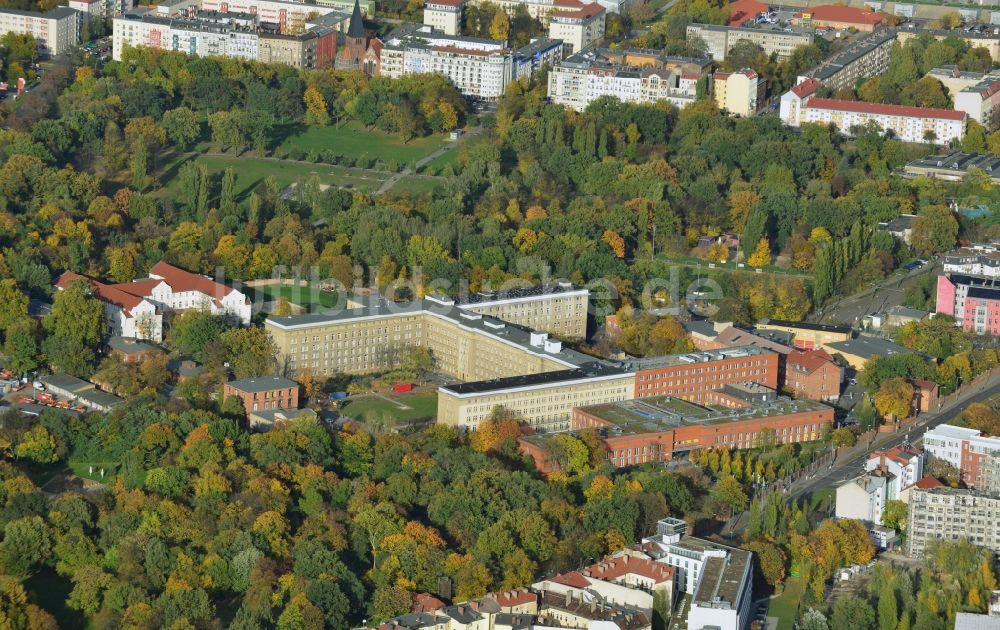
569, 597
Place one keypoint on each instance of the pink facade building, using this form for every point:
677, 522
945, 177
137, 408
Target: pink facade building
973, 301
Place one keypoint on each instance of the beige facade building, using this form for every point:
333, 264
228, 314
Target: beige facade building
952, 514
444, 15
559, 309
578, 28
740, 93
544, 401
55, 31
719, 40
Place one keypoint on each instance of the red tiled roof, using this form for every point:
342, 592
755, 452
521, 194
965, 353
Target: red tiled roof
106, 292
450, 3
810, 361
573, 578
897, 453
515, 597
884, 110
425, 602
744, 10
181, 280
927, 482
611, 569
806, 88
587, 11
839, 13
923, 384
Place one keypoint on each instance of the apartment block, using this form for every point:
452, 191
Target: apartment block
444, 15
965, 449
974, 301
55, 31
976, 259
740, 93
582, 78
559, 309
479, 68
578, 28
988, 39
909, 124
905, 462
981, 101
861, 59
864, 497
693, 376
621, 580
719, 40
952, 514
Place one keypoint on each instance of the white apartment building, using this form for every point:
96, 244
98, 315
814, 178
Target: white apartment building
952, 514
909, 124
740, 93
578, 28
719, 578
963, 448
55, 31
863, 498
955, 80
793, 102
479, 68
977, 259
905, 462
444, 15
719, 40
980, 101
583, 78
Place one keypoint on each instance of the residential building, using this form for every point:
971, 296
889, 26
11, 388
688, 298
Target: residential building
864, 497
127, 315
976, 259
444, 15
974, 301
55, 31
814, 375
955, 79
792, 103
479, 68
952, 514
988, 39
806, 336
954, 166
740, 93
558, 308
839, 17
582, 78
719, 40
901, 227
543, 10
980, 102
578, 28
925, 395
719, 578
857, 352
662, 428
618, 580
904, 462
90, 9
909, 124
555, 611
346, 6
924, 483
861, 59
963, 448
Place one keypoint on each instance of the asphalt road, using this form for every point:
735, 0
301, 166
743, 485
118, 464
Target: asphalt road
848, 469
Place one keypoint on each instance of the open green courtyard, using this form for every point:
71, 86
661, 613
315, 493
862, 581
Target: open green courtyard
396, 408
786, 605
306, 297
351, 139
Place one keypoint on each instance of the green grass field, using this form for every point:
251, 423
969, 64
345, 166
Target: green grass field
415, 185
82, 469
251, 172
303, 296
451, 157
367, 408
786, 605
353, 140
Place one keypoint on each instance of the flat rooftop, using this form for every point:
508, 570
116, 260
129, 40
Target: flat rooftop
590, 371
865, 346
693, 358
957, 162
784, 323
663, 413
518, 293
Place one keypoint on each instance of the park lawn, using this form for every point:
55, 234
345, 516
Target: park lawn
353, 140
786, 605
251, 172
451, 157
410, 185
82, 469
421, 405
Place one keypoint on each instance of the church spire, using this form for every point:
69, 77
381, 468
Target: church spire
356, 29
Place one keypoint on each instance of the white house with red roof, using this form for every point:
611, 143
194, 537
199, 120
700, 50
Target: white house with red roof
620, 580
135, 309
794, 100
909, 124
905, 462
128, 315
580, 25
